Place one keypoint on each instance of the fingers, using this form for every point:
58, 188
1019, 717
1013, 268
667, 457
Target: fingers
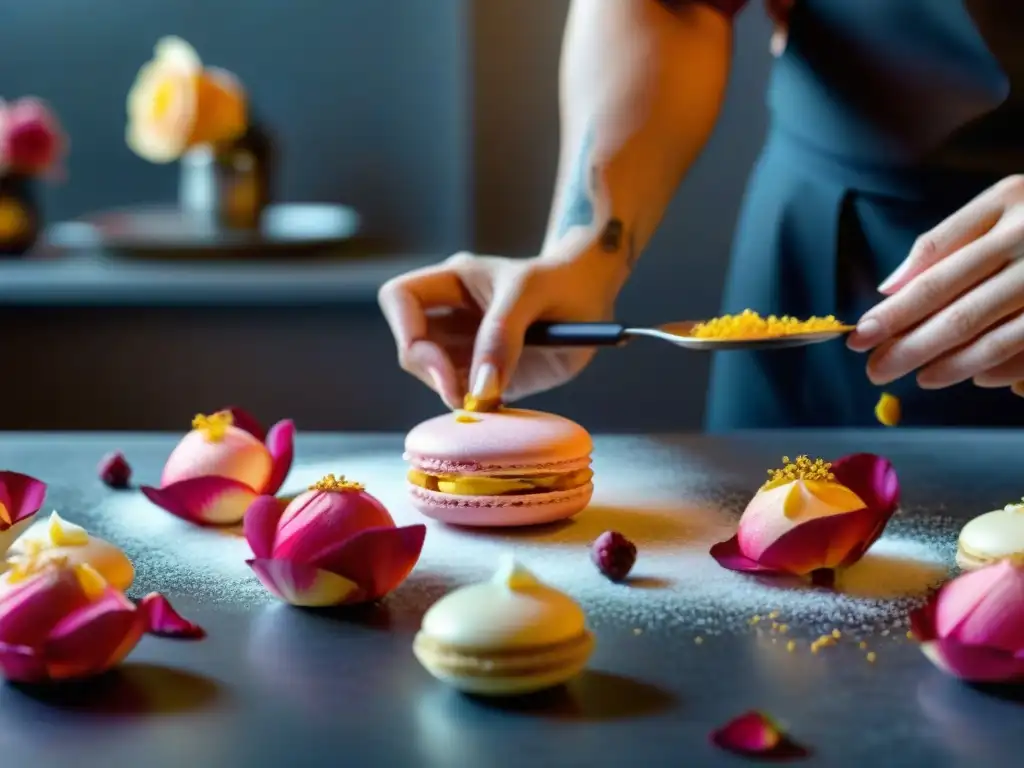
405, 302
963, 227
929, 292
499, 342
959, 324
989, 351
1007, 374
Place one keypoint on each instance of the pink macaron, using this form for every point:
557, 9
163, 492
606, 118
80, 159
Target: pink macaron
508, 467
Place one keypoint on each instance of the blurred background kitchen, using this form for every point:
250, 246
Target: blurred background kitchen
417, 127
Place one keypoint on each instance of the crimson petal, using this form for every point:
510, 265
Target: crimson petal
95, 638
806, 547
874, 480
729, 556
260, 525
30, 609
21, 495
208, 500
162, 620
246, 422
922, 620
752, 733
377, 559
21, 664
280, 444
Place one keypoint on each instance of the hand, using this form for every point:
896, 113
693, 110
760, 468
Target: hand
465, 319
955, 305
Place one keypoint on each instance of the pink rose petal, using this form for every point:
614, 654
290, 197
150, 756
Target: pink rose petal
752, 733
975, 664
245, 421
826, 542
377, 559
304, 585
316, 517
94, 638
21, 664
204, 500
280, 444
260, 525
114, 470
874, 480
22, 496
31, 608
162, 620
983, 607
728, 555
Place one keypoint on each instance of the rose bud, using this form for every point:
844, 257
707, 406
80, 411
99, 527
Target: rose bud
973, 626
333, 545
66, 622
115, 471
31, 141
613, 554
21, 497
812, 517
176, 104
222, 466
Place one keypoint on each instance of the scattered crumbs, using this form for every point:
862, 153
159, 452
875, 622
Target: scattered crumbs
885, 633
755, 619
773, 615
698, 640
871, 656
863, 645
791, 646
783, 628
910, 635
637, 631
836, 634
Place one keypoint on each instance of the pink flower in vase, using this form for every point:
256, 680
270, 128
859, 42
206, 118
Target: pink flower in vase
31, 139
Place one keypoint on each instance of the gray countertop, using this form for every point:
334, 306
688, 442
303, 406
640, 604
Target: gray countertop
87, 280
276, 686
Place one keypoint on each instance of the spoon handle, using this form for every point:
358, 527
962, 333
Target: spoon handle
576, 335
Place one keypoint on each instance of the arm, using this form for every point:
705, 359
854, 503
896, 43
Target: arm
642, 82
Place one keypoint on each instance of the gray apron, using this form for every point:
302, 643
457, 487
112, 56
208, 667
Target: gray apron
887, 116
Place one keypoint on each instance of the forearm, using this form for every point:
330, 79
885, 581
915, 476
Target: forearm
642, 82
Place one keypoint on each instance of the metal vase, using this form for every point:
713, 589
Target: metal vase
228, 184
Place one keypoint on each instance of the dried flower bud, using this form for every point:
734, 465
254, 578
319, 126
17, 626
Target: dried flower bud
613, 554
115, 471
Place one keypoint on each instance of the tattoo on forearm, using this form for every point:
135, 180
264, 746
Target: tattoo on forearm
579, 193
611, 236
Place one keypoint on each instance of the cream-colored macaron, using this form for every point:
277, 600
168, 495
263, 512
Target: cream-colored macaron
58, 539
991, 537
508, 636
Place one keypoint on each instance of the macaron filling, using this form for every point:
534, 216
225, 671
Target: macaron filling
500, 485
472, 662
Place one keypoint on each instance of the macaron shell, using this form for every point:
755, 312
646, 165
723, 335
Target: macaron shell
491, 675
501, 511
510, 439
991, 537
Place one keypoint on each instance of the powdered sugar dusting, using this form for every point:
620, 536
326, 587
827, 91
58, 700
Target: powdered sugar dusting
671, 509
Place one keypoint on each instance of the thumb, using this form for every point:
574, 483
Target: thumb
499, 341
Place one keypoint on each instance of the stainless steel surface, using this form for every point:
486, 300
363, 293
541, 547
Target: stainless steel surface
678, 333
276, 687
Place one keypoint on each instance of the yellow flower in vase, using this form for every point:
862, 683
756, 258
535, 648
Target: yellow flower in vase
176, 104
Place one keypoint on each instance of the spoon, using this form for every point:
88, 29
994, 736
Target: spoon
678, 333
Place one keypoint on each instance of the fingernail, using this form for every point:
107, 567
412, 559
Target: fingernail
894, 278
868, 332
487, 385
435, 376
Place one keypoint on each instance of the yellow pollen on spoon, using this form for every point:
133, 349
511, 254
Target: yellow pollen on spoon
338, 484
750, 325
801, 468
214, 426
